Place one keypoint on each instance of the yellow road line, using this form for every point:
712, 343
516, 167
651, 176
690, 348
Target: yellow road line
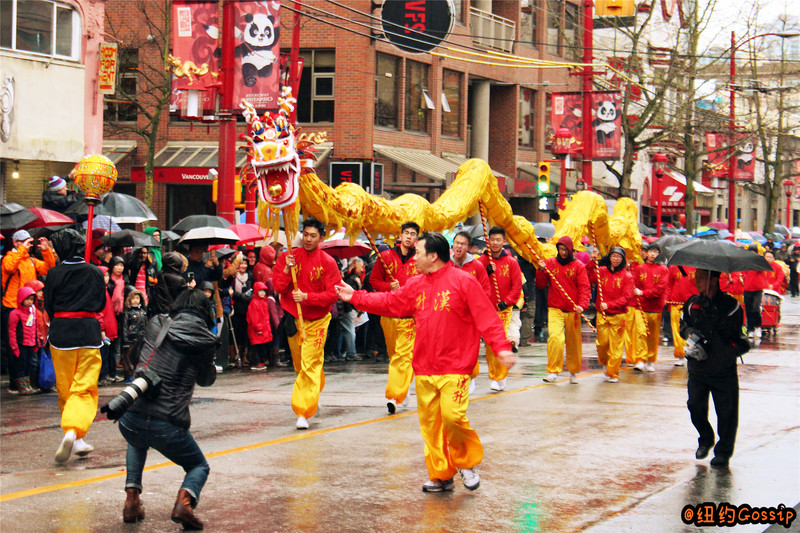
304, 435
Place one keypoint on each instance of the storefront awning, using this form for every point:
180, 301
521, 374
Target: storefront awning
116, 151
194, 154
698, 187
420, 161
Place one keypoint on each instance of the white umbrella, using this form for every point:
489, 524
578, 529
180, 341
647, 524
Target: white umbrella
209, 235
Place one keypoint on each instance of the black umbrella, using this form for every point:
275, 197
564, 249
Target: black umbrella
199, 221
130, 238
720, 256
122, 208
167, 235
647, 230
667, 243
14, 216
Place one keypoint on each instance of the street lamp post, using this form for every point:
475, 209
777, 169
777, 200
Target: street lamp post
659, 165
561, 151
788, 189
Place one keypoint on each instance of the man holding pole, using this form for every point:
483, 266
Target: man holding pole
392, 270
568, 296
506, 278
308, 301
442, 299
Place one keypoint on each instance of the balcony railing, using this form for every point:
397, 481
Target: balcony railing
491, 31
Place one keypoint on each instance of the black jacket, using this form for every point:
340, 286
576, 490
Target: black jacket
133, 324
74, 286
185, 357
170, 284
719, 322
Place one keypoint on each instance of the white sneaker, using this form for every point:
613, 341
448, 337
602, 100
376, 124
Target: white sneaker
612, 380
494, 385
470, 478
605, 370
550, 378
405, 403
573, 378
471, 387
758, 333
219, 369
750, 334
501, 384
438, 485
639, 367
302, 423
680, 361
82, 448
63, 452
649, 367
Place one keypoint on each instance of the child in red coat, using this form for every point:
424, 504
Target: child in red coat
259, 329
23, 337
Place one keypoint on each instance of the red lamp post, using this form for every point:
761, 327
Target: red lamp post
561, 151
788, 189
659, 166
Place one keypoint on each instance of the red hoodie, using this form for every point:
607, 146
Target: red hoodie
452, 312
508, 276
262, 270
258, 326
24, 319
572, 277
42, 320
653, 280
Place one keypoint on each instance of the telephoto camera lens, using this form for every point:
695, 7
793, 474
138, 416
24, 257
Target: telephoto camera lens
119, 404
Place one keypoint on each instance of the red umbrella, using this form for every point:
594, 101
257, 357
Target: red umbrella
47, 217
342, 249
718, 225
248, 232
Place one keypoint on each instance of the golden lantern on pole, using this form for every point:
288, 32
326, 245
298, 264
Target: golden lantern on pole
95, 175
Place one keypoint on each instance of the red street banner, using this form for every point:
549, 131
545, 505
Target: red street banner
194, 61
744, 156
717, 146
567, 111
256, 61
107, 75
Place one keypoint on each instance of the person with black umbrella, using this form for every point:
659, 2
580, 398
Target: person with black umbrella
711, 323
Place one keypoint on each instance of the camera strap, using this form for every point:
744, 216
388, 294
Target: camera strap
162, 333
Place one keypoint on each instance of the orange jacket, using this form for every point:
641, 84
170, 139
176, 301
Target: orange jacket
19, 268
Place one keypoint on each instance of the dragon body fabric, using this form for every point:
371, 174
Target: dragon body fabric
283, 168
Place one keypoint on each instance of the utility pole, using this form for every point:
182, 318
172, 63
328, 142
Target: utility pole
227, 119
588, 73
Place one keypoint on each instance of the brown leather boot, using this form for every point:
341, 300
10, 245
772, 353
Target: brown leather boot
182, 512
133, 510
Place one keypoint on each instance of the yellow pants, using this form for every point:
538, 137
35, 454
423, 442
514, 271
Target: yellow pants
564, 327
76, 380
307, 357
675, 321
635, 336
611, 332
650, 349
496, 369
400, 334
450, 442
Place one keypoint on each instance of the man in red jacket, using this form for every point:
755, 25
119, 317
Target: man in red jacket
614, 295
568, 296
755, 281
651, 281
445, 301
317, 277
507, 278
680, 287
399, 332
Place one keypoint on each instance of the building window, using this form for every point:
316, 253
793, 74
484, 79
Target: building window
527, 98
121, 106
529, 13
418, 100
458, 13
41, 27
451, 103
571, 33
387, 87
316, 92
554, 27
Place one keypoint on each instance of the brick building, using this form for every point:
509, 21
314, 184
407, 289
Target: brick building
419, 115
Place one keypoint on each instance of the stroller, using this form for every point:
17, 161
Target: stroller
770, 312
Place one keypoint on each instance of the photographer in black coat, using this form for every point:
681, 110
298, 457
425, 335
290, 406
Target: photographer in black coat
712, 324
159, 418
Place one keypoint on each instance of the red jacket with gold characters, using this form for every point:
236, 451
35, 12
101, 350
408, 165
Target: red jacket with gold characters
508, 276
399, 269
680, 286
452, 313
653, 280
615, 289
775, 278
573, 279
317, 275
755, 280
476, 268
732, 283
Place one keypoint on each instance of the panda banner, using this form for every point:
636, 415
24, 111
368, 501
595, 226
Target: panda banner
567, 112
257, 54
717, 147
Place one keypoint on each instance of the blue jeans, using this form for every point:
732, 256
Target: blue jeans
174, 442
348, 333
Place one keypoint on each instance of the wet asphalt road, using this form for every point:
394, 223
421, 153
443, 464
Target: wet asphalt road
593, 456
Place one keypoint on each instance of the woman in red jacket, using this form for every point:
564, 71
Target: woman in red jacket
259, 329
614, 295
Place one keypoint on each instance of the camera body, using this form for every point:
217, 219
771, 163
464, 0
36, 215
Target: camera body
696, 346
145, 383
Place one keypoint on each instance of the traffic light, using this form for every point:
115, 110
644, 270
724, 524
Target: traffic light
544, 178
237, 192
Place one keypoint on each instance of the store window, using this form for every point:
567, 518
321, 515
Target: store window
418, 99
40, 27
316, 93
451, 103
387, 89
121, 106
458, 13
527, 98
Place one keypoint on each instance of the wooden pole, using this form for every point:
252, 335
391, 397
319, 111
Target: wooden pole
293, 269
